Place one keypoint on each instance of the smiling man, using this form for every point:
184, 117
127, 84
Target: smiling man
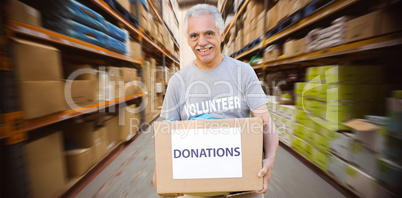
218, 85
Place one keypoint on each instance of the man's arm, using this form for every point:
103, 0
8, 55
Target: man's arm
270, 142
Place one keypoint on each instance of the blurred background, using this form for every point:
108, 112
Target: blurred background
82, 82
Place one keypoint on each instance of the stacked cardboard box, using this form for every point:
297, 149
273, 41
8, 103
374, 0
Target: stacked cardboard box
46, 169
24, 13
149, 74
322, 38
86, 135
80, 83
130, 123
39, 80
253, 21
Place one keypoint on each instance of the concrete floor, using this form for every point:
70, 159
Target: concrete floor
130, 175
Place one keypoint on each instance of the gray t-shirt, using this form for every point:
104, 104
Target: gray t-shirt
230, 90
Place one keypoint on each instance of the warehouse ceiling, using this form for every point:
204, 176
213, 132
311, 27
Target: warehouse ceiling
187, 3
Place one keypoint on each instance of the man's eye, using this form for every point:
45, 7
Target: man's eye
210, 33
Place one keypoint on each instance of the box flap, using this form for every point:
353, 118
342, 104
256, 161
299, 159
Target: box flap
360, 125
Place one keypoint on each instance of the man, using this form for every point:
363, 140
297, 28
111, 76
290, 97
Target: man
218, 85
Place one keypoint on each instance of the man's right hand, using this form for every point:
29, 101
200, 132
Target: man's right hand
166, 194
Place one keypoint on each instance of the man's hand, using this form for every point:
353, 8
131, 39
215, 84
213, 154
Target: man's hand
166, 194
266, 172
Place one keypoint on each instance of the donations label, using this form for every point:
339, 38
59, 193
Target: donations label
206, 153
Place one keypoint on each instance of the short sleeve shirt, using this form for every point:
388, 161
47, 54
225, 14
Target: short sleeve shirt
230, 90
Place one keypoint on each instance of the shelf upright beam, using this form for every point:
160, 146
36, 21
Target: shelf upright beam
245, 3
13, 171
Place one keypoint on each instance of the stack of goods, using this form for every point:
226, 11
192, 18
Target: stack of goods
76, 20
321, 38
327, 106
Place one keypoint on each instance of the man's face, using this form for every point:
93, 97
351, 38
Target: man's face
204, 38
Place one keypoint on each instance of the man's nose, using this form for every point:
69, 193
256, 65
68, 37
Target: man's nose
202, 41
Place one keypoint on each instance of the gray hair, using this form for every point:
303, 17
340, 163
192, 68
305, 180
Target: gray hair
202, 10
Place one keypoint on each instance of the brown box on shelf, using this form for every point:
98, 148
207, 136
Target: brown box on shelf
40, 98
232, 142
129, 74
296, 5
299, 47
34, 61
24, 13
112, 130
132, 87
85, 135
363, 27
46, 169
85, 71
136, 50
271, 53
132, 122
125, 3
78, 161
272, 17
82, 93
283, 10
288, 48
390, 21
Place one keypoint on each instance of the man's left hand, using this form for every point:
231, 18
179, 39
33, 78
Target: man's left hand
266, 172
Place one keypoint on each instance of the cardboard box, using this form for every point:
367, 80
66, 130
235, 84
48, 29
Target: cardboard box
288, 48
84, 135
30, 64
364, 158
99, 141
112, 130
363, 184
336, 168
320, 159
78, 161
341, 146
363, 27
46, 168
85, 71
272, 52
390, 173
129, 74
272, 17
299, 47
389, 20
24, 13
82, 93
136, 50
370, 135
40, 98
226, 161
125, 4
132, 122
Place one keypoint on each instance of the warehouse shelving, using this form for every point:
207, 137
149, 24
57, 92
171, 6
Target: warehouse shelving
117, 16
50, 36
252, 50
223, 6
244, 5
380, 49
58, 117
319, 15
350, 48
14, 129
160, 20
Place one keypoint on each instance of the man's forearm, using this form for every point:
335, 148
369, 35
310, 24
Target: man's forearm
270, 137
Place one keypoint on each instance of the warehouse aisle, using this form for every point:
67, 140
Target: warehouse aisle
130, 175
